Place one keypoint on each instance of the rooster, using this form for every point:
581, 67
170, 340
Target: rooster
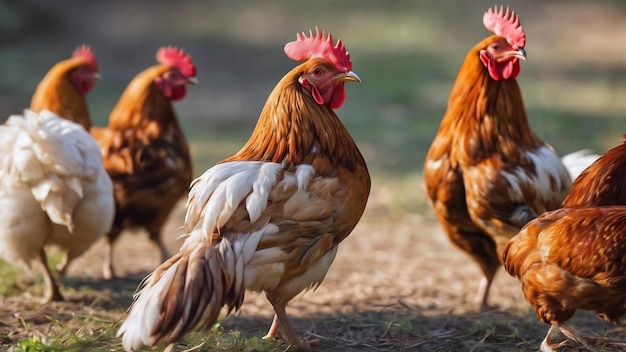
62, 90
270, 217
487, 173
574, 258
53, 191
145, 151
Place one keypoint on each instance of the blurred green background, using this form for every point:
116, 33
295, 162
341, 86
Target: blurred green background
406, 52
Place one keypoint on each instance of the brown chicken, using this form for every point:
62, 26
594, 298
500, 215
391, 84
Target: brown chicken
270, 218
487, 173
145, 151
574, 258
569, 259
602, 183
63, 89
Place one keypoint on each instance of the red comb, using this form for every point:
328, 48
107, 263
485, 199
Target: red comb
172, 56
505, 24
304, 48
84, 52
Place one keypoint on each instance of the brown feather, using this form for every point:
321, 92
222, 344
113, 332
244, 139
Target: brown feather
572, 258
58, 93
146, 154
306, 224
602, 182
484, 136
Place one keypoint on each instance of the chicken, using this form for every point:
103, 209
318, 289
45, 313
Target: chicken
270, 217
602, 182
53, 191
486, 172
145, 151
569, 259
574, 258
62, 91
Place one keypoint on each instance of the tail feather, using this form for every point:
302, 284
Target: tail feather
188, 291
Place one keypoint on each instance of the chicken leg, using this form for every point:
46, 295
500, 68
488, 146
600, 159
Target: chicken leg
53, 294
281, 320
107, 261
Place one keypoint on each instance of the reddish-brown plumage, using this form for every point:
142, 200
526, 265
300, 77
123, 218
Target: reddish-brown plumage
575, 257
487, 173
569, 259
146, 155
63, 88
602, 183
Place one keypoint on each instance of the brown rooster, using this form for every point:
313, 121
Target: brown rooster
145, 151
269, 218
487, 173
574, 258
63, 89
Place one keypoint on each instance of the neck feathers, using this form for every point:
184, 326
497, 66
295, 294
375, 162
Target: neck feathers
142, 103
56, 92
294, 129
489, 111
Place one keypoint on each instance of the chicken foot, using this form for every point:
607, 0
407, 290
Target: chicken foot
282, 321
560, 336
53, 294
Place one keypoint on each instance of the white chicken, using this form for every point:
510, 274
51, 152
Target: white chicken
53, 191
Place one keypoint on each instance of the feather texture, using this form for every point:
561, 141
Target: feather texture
53, 157
486, 173
54, 189
145, 151
268, 218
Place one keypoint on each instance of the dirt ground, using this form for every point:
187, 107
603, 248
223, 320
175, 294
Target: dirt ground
396, 285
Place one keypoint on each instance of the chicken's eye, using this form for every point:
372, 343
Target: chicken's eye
495, 47
318, 72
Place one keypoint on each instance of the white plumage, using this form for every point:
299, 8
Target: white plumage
53, 190
578, 161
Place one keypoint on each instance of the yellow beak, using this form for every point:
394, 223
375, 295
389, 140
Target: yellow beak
346, 77
521, 53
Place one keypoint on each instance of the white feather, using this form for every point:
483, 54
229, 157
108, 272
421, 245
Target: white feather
216, 194
136, 329
548, 168
578, 161
53, 187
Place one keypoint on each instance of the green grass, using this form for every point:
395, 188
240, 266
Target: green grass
103, 339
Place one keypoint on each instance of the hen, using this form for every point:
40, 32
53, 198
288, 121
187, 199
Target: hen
569, 259
602, 183
145, 151
52, 179
574, 258
270, 217
53, 191
487, 173
63, 89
